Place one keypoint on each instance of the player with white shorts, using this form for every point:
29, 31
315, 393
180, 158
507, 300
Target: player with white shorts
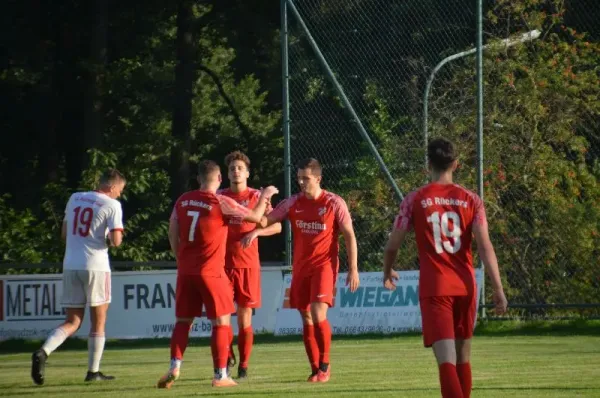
90, 217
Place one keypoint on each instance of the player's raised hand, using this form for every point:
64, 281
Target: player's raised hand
389, 280
248, 238
269, 191
353, 280
500, 302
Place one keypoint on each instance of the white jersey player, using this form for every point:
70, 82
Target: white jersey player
90, 218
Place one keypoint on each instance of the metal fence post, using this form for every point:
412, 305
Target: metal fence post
286, 125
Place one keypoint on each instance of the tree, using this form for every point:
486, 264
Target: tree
93, 115
227, 111
185, 73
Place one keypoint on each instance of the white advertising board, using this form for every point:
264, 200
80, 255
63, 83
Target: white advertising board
143, 305
371, 309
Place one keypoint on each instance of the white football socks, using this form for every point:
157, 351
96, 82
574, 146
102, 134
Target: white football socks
54, 340
95, 349
175, 363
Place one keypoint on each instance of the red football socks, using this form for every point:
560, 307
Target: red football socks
450, 384
219, 345
179, 339
465, 377
230, 352
323, 336
245, 341
310, 344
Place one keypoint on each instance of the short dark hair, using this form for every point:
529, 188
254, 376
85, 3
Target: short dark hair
441, 154
111, 177
206, 168
312, 164
237, 155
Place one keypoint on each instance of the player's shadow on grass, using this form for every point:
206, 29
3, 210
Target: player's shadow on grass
577, 327
328, 391
73, 388
540, 388
17, 346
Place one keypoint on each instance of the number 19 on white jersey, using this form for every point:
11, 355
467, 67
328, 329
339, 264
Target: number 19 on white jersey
89, 217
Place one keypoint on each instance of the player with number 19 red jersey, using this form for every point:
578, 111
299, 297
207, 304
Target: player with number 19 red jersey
442, 216
445, 216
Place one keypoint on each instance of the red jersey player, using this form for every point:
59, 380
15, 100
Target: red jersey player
444, 217
317, 218
198, 234
242, 263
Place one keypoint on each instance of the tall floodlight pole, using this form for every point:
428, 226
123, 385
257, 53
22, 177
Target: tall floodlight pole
529, 36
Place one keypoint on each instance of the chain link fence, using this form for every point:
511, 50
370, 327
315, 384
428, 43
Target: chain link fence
541, 124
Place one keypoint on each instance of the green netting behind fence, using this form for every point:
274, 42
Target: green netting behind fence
541, 124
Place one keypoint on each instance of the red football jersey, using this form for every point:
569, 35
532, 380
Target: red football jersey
203, 217
443, 216
315, 228
236, 256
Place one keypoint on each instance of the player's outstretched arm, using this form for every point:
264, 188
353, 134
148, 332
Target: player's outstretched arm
174, 235
490, 262
267, 221
390, 253
272, 229
231, 208
279, 214
256, 214
353, 279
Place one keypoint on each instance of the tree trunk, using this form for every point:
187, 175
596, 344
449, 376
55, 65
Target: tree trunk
185, 74
69, 114
93, 116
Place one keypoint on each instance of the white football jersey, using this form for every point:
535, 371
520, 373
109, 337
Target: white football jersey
89, 217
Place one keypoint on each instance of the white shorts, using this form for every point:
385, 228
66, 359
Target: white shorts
81, 288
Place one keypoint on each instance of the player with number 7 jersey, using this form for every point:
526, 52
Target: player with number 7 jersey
198, 238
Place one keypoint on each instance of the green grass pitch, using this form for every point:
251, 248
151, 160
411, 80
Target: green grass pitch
504, 365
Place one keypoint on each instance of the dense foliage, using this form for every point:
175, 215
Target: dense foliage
151, 87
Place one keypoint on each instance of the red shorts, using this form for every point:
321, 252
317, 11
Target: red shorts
447, 317
193, 291
246, 286
316, 288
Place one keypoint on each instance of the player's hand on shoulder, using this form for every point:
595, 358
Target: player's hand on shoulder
353, 280
248, 238
389, 279
500, 302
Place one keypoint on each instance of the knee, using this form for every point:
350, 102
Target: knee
463, 351
306, 317
74, 325
222, 320
319, 312
98, 324
244, 318
463, 356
